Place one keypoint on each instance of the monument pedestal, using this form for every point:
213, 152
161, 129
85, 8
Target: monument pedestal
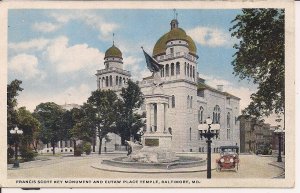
156, 134
157, 139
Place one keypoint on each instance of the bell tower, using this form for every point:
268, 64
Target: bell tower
113, 76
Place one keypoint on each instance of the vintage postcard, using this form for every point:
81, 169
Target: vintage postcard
147, 94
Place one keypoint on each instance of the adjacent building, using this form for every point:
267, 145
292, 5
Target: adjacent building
254, 135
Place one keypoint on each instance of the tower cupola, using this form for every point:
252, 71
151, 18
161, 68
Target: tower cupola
174, 24
113, 57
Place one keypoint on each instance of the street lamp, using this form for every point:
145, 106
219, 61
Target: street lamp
208, 134
15, 132
279, 132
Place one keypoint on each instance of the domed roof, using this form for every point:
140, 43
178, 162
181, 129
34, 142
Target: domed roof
174, 34
113, 52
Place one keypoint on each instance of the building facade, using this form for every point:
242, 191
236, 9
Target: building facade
255, 135
189, 100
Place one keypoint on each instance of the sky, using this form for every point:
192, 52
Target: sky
56, 53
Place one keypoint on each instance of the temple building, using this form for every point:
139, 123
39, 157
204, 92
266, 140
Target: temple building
184, 100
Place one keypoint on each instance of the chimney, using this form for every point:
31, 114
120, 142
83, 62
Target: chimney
220, 88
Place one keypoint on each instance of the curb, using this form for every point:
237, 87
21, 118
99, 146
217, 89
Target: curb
282, 175
147, 171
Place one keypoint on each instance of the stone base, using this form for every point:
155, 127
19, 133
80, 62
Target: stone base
157, 139
152, 155
156, 149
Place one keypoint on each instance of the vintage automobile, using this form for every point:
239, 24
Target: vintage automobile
229, 158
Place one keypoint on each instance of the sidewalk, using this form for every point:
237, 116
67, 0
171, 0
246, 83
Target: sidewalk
43, 160
279, 165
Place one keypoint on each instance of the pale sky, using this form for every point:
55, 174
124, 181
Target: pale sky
56, 52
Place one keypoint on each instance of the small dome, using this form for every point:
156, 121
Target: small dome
174, 34
113, 52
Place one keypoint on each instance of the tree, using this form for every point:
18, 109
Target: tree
67, 124
260, 57
13, 90
30, 126
100, 113
50, 116
68, 121
82, 128
129, 119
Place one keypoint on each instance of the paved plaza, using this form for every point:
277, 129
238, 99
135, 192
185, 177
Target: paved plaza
251, 166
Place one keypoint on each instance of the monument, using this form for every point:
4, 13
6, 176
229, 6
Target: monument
155, 151
156, 140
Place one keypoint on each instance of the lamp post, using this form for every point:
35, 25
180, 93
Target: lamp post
15, 132
279, 132
209, 135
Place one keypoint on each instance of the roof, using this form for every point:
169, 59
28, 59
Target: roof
203, 86
113, 52
174, 34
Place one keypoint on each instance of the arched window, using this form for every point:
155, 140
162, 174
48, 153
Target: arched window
117, 81
172, 69
162, 72
173, 101
191, 102
177, 68
190, 134
124, 80
200, 114
228, 120
106, 82
103, 82
110, 80
191, 71
170, 130
188, 101
228, 134
185, 68
188, 69
216, 114
120, 81
167, 70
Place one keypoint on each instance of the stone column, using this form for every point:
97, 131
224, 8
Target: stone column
148, 116
155, 124
165, 116
160, 117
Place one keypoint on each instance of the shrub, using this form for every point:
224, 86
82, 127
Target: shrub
27, 154
78, 151
87, 148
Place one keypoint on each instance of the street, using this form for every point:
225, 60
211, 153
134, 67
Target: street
251, 166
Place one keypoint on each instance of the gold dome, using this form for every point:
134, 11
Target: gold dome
113, 52
174, 34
